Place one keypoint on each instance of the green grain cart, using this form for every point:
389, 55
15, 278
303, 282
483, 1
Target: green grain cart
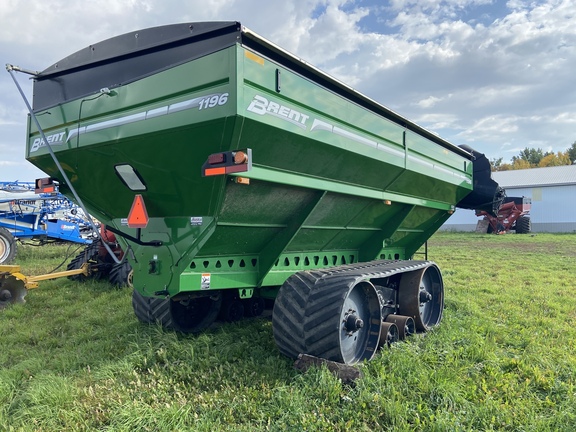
232, 172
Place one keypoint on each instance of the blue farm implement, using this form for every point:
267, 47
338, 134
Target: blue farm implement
39, 217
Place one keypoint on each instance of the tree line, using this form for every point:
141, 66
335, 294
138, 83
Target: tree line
535, 158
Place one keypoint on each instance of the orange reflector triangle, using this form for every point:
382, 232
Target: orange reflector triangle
138, 216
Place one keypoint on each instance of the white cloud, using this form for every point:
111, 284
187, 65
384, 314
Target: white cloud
429, 102
564, 118
332, 34
490, 74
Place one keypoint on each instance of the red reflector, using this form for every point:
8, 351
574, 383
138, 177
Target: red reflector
217, 158
240, 158
44, 185
138, 216
214, 171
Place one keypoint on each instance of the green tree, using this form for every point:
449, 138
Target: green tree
572, 153
531, 155
532, 158
496, 163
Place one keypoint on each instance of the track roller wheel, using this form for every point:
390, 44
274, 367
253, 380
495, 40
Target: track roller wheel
335, 318
232, 310
254, 306
190, 315
405, 324
421, 296
389, 334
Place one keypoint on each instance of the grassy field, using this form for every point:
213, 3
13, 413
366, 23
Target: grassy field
504, 358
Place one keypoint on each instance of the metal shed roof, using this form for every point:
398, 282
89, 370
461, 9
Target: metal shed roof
535, 177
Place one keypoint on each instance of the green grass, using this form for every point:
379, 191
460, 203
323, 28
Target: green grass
504, 358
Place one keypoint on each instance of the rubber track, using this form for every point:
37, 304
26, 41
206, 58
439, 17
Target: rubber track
119, 274
307, 309
152, 309
90, 252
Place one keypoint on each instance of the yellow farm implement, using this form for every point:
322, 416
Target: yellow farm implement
14, 285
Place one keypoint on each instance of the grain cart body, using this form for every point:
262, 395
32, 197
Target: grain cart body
249, 170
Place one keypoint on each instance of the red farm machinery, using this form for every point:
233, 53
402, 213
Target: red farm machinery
513, 215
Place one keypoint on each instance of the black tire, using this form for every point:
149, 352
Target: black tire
187, 316
254, 306
308, 318
88, 255
8, 247
121, 275
100, 267
232, 310
523, 225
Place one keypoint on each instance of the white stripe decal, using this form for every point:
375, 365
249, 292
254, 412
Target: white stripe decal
144, 115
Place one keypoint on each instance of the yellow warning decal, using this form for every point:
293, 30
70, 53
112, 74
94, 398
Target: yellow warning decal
250, 55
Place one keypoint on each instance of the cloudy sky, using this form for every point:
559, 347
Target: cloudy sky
496, 75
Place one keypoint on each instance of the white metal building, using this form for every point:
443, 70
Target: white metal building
553, 193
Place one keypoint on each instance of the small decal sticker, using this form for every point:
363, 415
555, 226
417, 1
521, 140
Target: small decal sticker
195, 220
205, 281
